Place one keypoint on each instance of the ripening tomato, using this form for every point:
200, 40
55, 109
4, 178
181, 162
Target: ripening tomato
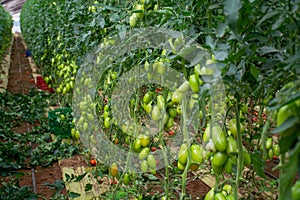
93, 162
145, 140
114, 169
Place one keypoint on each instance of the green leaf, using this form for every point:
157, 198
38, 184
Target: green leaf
288, 123
254, 71
73, 195
269, 15
267, 49
88, 187
231, 10
258, 164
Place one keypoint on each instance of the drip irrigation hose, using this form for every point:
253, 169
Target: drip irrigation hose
23, 91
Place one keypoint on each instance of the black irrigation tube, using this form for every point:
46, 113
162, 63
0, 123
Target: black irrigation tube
27, 124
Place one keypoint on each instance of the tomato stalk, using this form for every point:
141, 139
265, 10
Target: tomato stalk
240, 161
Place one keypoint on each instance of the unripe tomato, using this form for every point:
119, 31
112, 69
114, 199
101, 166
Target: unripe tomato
170, 122
282, 115
133, 20
177, 97
141, 8
228, 189
137, 145
165, 118
296, 191
206, 134
126, 179
160, 102
196, 154
156, 113
231, 146
247, 158
230, 197
180, 166
219, 159
107, 122
151, 161
194, 83
172, 112
233, 128
161, 69
183, 154
114, 169
184, 87
276, 150
270, 154
148, 108
147, 98
210, 195
228, 166
219, 138
269, 143
220, 196
144, 153
85, 126
144, 166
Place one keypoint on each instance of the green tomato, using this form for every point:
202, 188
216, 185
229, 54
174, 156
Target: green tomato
194, 83
183, 154
172, 112
228, 189
126, 179
144, 153
219, 159
133, 20
151, 161
270, 154
233, 128
144, 166
184, 87
177, 97
170, 122
219, 138
276, 150
206, 134
228, 166
147, 107
107, 122
282, 115
85, 126
137, 145
231, 146
220, 196
269, 143
247, 158
296, 191
180, 166
196, 154
210, 195
147, 98
156, 113
160, 102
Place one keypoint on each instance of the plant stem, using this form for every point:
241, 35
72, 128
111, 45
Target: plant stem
240, 161
185, 140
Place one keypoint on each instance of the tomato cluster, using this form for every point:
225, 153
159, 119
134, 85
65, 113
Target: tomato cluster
197, 153
225, 194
